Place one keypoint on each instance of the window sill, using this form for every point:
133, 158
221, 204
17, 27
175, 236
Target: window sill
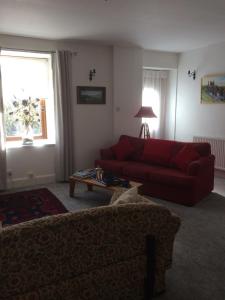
36, 143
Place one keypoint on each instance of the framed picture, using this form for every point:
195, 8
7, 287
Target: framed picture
91, 95
213, 89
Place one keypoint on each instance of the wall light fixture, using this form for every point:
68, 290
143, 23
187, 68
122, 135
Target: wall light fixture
192, 74
92, 74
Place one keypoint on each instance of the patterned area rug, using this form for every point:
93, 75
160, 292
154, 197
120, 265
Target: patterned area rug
24, 206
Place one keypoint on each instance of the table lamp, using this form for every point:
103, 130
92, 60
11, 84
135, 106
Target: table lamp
145, 112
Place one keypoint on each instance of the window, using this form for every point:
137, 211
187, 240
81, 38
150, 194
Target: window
150, 97
27, 94
154, 94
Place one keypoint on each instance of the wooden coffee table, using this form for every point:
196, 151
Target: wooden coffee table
92, 182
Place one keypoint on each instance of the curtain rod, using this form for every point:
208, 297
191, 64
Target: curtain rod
159, 69
156, 69
26, 50
33, 51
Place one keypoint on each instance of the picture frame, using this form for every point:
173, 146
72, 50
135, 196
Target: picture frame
213, 89
91, 95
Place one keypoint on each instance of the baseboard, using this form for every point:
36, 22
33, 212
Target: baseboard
26, 182
220, 173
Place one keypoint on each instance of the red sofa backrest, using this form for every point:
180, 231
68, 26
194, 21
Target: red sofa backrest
137, 143
203, 149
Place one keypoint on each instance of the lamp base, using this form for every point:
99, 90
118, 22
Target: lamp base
144, 131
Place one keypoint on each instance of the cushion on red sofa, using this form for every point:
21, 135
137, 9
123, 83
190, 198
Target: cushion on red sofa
171, 177
113, 166
203, 149
123, 149
137, 170
138, 145
185, 156
158, 151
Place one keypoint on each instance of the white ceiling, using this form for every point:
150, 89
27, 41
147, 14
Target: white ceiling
167, 25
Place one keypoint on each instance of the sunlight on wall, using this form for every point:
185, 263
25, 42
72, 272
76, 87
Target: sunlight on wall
150, 97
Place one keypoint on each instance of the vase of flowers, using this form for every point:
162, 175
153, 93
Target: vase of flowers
27, 136
25, 112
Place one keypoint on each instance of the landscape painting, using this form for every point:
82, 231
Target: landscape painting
91, 95
213, 89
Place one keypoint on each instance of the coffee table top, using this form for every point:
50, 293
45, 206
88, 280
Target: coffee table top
93, 182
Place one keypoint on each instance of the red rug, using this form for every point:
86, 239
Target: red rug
24, 206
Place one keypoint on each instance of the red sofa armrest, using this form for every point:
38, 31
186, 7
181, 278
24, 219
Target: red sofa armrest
107, 154
201, 165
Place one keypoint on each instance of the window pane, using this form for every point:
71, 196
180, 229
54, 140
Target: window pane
25, 80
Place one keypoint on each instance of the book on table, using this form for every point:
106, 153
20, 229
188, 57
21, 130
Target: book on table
87, 173
108, 179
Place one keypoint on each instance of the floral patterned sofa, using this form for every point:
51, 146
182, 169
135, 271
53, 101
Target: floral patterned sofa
97, 253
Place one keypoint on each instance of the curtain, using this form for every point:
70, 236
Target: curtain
154, 95
3, 177
62, 77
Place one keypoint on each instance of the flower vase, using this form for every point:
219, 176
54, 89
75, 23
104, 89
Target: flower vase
28, 137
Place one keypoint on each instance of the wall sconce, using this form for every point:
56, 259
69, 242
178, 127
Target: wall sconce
92, 74
192, 74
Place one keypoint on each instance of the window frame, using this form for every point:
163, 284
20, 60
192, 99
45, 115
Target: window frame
47, 104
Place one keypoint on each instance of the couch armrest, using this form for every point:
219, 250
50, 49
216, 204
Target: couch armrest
201, 165
107, 153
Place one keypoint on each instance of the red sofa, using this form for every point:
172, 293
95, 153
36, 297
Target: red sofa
176, 171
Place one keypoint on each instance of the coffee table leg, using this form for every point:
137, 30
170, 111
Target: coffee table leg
90, 187
72, 187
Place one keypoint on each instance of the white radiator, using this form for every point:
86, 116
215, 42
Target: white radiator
217, 148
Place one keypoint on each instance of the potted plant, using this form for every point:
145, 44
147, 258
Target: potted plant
25, 112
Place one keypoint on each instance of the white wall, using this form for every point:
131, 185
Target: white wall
194, 118
171, 105
10, 41
127, 90
93, 124
160, 60
38, 161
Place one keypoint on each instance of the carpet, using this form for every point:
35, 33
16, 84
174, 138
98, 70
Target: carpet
27, 205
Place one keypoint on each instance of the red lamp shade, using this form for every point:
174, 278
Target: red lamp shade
145, 112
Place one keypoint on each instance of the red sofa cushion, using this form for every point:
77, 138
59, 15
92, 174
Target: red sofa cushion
138, 170
185, 156
203, 149
138, 145
158, 151
107, 154
123, 149
171, 177
114, 166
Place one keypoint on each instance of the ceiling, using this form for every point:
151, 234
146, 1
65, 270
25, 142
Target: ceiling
167, 25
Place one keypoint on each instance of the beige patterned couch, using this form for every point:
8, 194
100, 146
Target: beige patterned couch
97, 253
